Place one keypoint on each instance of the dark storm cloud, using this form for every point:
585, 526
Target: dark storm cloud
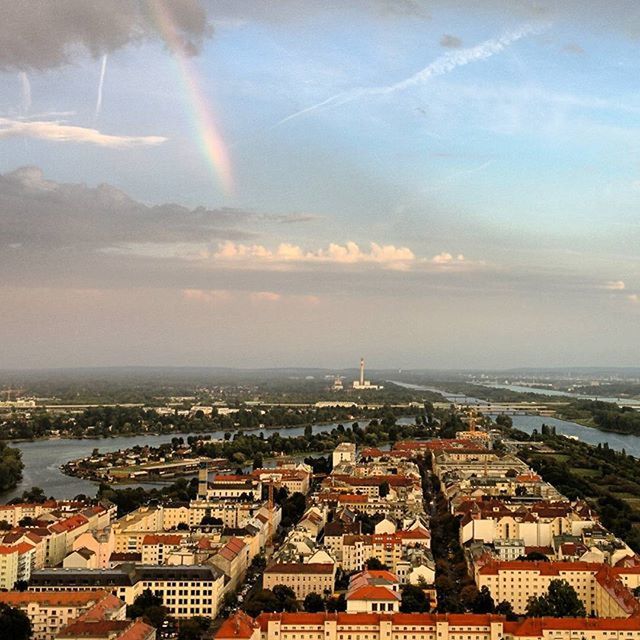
44, 34
35, 212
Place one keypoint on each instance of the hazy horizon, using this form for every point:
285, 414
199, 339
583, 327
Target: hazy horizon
433, 184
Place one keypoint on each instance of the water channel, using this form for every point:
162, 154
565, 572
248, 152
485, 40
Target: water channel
43, 458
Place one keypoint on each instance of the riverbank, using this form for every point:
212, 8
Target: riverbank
43, 458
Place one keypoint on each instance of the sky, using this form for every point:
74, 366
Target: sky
446, 184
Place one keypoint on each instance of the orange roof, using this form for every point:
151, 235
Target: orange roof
381, 573
372, 592
299, 567
99, 610
139, 630
69, 524
232, 548
415, 534
545, 568
52, 598
535, 626
353, 497
170, 539
95, 629
7, 551
239, 625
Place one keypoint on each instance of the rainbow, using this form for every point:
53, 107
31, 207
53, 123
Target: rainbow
210, 140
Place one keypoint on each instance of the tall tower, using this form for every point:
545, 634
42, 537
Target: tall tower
203, 481
362, 372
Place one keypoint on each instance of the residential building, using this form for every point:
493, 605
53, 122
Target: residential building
302, 578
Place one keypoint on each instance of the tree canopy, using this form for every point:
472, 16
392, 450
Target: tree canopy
560, 601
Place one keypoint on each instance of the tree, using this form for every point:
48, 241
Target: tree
182, 526
262, 601
414, 600
229, 602
292, 509
148, 605
335, 605
21, 585
193, 628
505, 608
35, 494
483, 602
11, 466
560, 601
384, 489
14, 623
313, 603
286, 597
375, 565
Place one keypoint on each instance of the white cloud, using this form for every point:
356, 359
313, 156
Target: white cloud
387, 256
265, 296
206, 295
223, 296
447, 258
59, 132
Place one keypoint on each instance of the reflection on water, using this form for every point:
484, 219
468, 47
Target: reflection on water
565, 394
617, 441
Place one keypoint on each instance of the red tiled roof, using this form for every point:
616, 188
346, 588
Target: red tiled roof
239, 625
535, 626
95, 628
52, 598
7, 550
380, 573
139, 630
545, 568
232, 548
69, 524
373, 592
169, 539
415, 534
299, 567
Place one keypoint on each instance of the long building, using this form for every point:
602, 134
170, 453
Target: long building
186, 591
50, 612
422, 626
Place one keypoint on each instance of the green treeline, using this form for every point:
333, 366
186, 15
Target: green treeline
11, 466
112, 421
607, 479
603, 415
244, 447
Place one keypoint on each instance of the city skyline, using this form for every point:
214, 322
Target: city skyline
431, 184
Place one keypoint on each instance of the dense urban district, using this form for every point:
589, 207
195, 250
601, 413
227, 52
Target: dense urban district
420, 519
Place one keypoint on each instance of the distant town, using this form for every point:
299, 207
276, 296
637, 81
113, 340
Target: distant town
433, 516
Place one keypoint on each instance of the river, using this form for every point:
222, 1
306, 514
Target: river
43, 458
617, 441
527, 423
627, 402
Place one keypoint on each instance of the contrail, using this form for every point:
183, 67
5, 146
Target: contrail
441, 66
25, 86
103, 69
